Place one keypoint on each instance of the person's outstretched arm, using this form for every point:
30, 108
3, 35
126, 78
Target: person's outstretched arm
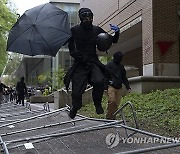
116, 29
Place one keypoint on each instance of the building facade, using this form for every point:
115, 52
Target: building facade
149, 36
63, 59
149, 32
32, 67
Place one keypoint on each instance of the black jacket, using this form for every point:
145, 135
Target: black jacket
21, 88
82, 47
117, 75
2, 86
82, 44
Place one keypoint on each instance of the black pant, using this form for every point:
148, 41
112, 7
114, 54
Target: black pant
20, 98
83, 75
11, 97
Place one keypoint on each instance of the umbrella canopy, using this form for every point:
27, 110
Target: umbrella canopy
41, 30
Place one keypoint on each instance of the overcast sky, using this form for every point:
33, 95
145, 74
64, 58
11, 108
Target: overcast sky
23, 5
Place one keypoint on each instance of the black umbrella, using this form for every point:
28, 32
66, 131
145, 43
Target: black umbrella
41, 30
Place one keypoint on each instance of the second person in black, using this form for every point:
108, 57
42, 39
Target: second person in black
21, 91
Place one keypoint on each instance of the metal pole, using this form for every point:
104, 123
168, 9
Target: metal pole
45, 126
28, 106
124, 119
132, 109
151, 149
39, 140
102, 120
46, 107
94, 119
3, 121
19, 145
32, 112
145, 132
98, 127
4, 146
22, 120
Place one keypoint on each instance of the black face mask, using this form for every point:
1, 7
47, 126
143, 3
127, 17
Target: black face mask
117, 57
117, 60
87, 25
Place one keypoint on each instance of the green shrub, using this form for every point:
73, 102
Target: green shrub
158, 111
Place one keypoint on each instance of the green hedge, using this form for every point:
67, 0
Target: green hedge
158, 111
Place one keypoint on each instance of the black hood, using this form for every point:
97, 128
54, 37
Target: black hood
117, 57
85, 12
86, 17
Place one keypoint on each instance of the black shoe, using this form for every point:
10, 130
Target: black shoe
99, 110
72, 114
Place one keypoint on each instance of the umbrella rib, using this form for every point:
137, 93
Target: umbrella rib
27, 24
53, 14
45, 41
30, 43
29, 33
40, 11
18, 22
30, 47
20, 35
50, 17
57, 29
